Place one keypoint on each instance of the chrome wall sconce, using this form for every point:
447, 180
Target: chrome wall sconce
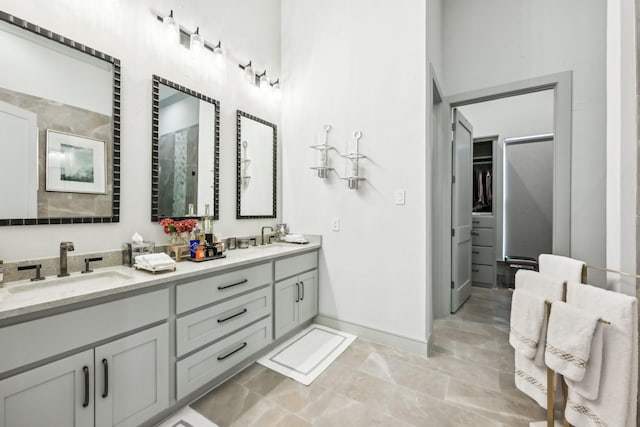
353, 177
275, 84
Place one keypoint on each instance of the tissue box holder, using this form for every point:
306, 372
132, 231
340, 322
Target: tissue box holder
131, 250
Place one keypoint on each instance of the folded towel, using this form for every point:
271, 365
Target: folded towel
527, 318
546, 288
589, 387
616, 403
561, 267
569, 340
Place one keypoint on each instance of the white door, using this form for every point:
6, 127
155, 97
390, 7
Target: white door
19, 162
132, 378
461, 206
57, 394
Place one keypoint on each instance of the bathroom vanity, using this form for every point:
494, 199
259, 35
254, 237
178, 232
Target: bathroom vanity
127, 348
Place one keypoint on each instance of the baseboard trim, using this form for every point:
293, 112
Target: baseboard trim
407, 344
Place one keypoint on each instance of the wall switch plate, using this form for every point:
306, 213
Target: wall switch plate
399, 197
335, 224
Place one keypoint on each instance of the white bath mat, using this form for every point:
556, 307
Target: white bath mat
187, 417
308, 354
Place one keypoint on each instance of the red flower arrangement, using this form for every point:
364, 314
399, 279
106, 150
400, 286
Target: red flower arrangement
178, 227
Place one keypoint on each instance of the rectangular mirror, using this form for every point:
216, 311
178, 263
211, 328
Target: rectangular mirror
59, 128
256, 167
185, 151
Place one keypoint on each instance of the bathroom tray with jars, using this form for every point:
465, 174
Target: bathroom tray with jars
207, 258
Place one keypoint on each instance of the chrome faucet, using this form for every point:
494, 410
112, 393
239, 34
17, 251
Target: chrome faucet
262, 232
64, 248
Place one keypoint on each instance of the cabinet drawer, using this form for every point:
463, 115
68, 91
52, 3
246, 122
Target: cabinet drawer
295, 265
482, 255
204, 366
205, 326
211, 289
38, 339
482, 236
482, 221
482, 273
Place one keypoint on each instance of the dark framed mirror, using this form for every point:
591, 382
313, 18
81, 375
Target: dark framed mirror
59, 128
256, 154
185, 152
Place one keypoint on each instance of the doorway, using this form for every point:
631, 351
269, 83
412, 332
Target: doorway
561, 86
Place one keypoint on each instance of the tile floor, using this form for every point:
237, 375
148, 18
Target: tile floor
468, 381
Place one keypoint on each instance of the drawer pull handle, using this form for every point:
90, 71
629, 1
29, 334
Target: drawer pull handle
105, 365
85, 369
240, 313
297, 292
302, 298
244, 344
475, 252
242, 282
476, 221
475, 271
474, 233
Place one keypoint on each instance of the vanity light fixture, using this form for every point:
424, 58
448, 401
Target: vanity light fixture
197, 41
172, 25
249, 74
275, 84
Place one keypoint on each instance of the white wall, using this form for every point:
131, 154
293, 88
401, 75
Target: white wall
492, 42
360, 66
621, 145
129, 30
513, 117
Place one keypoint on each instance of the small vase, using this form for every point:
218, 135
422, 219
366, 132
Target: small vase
177, 239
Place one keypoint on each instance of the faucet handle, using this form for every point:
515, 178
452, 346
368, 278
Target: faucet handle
89, 260
37, 267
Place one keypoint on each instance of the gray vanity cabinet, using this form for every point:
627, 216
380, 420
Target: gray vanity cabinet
296, 298
122, 382
131, 385
50, 395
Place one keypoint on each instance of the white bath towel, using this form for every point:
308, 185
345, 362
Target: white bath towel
569, 337
531, 379
531, 375
615, 405
561, 267
589, 387
527, 318
546, 288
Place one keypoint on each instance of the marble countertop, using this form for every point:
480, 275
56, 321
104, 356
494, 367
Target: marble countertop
26, 297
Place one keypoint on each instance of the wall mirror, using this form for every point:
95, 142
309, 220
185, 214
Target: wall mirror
59, 128
256, 167
185, 152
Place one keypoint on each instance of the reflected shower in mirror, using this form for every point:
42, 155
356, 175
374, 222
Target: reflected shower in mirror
59, 128
256, 167
185, 151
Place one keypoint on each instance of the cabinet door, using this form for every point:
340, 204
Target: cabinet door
308, 304
286, 306
57, 394
132, 378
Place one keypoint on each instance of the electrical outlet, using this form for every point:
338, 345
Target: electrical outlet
399, 197
335, 224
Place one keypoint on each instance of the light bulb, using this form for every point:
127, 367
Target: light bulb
218, 49
197, 41
249, 74
172, 26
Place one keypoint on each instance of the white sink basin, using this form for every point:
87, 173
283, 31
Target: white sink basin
78, 280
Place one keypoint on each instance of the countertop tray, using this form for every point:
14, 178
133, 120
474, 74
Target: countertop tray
153, 269
207, 258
